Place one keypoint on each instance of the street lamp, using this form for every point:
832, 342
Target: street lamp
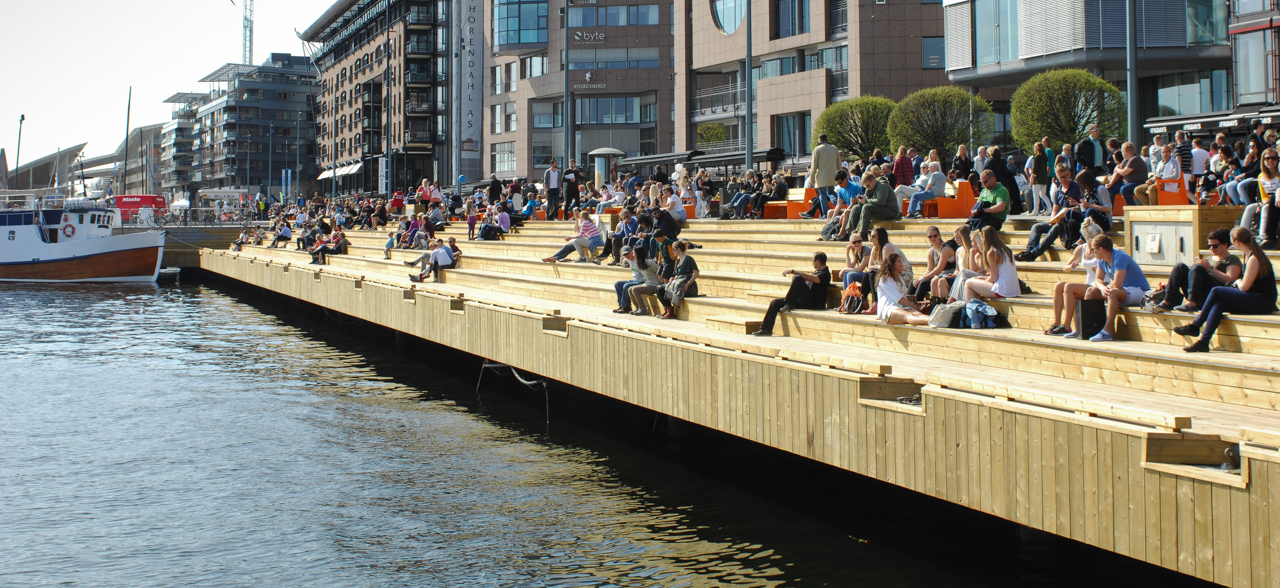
564, 109
17, 158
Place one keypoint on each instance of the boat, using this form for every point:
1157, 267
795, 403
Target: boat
74, 243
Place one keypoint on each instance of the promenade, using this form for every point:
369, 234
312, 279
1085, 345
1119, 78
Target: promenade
1118, 445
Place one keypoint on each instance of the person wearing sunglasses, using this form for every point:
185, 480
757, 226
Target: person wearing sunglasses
992, 206
1192, 283
1262, 209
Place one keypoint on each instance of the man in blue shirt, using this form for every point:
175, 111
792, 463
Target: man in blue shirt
837, 229
1119, 280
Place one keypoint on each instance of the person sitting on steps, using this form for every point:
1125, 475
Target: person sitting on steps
644, 272
876, 203
894, 308
1253, 293
1118, 279
585, 241
808, 291
672, 293
941, 259
438, 257
1194, 282
1001, 280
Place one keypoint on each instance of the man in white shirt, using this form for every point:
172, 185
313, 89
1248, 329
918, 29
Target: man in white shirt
1199, 163
980, 162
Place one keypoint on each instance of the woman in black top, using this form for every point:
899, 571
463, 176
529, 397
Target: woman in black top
942, 261
962, 164
1253, 293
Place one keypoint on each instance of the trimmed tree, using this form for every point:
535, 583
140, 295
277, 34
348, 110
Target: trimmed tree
1062, 104
940, 118
859, 126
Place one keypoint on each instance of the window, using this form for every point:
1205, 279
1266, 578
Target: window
1250, 6
646, 15
510, 109
638, 57
495, 74
728, 14
1206, 22
519, 22
540, 150
511, 76
791, 17
934, 50
1255, 58
547, 115
649, 113
534, 66
995, 31
607, 111
502, 157
495, 119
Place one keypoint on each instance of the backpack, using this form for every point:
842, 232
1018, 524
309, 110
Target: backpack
1154, 298
979, 314
851, 301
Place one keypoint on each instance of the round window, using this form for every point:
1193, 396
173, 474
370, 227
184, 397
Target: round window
729, 13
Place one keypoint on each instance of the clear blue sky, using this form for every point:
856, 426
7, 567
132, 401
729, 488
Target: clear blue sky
69, 64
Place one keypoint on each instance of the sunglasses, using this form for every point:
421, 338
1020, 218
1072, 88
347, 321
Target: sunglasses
932, 236
857, 242
1272, 158
1216, 245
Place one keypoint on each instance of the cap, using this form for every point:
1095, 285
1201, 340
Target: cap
626, 249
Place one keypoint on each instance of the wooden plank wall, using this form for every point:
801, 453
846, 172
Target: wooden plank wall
1080, 477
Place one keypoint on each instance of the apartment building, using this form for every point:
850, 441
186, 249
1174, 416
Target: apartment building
384, 92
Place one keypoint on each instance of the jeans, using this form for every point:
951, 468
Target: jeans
918, 199
1192, 282
553, 203
635, 292
1264, 212
821, 202
1247, 191
621, 288
1232, 194
1224, 299
1042, 238
739, 203
1127, 191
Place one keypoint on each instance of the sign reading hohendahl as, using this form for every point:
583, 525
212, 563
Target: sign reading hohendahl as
472, 89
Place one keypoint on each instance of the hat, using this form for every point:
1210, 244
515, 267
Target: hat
626, 249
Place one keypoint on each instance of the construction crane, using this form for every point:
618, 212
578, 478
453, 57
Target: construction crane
248, 30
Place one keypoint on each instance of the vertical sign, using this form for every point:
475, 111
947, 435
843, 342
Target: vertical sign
384, 176
472, 78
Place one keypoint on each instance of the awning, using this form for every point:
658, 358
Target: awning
356, 168
1212, 122
656, 159
326, 174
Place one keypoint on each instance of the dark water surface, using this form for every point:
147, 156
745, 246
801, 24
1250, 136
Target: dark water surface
205, 435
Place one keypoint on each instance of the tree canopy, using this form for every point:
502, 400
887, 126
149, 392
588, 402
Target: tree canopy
1062, 104
940, 118
859, 126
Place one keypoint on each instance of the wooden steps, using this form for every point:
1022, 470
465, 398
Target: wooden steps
733, 324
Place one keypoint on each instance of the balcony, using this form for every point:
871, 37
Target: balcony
839, 84
721, 147
421, 19
838, 21
420, 48
420, 78
418, 136
720, 101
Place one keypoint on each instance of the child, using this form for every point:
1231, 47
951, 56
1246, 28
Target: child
469, 209
391, 243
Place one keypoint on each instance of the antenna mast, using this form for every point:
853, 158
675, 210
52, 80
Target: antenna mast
247, 57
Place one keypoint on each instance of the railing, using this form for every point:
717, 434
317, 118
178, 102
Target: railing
721, 147
420, 78
419, 137
725, 98
840, 82
420, 48
838, 20
421, 18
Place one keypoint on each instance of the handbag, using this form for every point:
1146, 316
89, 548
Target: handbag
945, 315
851, 301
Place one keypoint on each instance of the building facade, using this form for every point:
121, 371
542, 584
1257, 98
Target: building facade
1183, 54
179, 173
806, 54
384, 92
253, 123
620, 65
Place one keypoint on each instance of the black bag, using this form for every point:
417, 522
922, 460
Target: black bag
1091, 316
831, 229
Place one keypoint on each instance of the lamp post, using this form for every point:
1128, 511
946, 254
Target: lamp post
271, 136
749, 126
566, 109
17, 158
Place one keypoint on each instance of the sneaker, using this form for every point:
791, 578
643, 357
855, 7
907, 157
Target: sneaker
1162, 307
1197, 347
1057, 330
805, 215
763, 333
408, 263
1100, 337
621, 310
1187, 308
414, 278
1187, 330
596, 261
580, 260
1070, 335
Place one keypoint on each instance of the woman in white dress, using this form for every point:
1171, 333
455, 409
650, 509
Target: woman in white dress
974, 267
1002, 275
892, 305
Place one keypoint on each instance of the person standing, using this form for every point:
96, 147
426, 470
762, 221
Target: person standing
980, 162
807, 291
551, 182
495, 189
826, 162
962, 164
1091, 153
1039, 204
572, 187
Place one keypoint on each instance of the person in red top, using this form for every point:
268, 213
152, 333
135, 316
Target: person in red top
903, 172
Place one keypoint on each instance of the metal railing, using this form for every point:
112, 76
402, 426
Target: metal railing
838, 20
421, 18
420, 78
720, 99
722, 146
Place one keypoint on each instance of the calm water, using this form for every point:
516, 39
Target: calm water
194, 435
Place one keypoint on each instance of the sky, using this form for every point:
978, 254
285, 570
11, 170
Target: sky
68, 64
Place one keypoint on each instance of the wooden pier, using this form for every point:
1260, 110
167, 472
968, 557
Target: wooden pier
1118, 445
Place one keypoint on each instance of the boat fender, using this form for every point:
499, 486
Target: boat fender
69, 230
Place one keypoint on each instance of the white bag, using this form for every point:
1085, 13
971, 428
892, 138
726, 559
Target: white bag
943, 314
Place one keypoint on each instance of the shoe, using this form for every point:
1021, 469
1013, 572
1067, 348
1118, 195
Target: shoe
1070, 335
871, 309
1101, 337
414, 278
614, 264
694, 246
549, 260
805, 215
786, 308
763, 333
621, 310
1057, 330
1198, 347
1162, 307
1188, 330
580, 260
1020, 256
639, 312
596, 261
1188, 307
408, 263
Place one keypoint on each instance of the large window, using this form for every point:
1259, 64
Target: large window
639, 57
1250, 6
510, 109
502, 157
533, 66
606, 111
495, 119
728, 14
935, 53
995, 31
547, 115
1206, 22
519, 22
613, 16
791, 17
1255, 58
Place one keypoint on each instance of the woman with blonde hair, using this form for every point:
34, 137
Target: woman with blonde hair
892, 305
1002, 274
1264, 209
963, 260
